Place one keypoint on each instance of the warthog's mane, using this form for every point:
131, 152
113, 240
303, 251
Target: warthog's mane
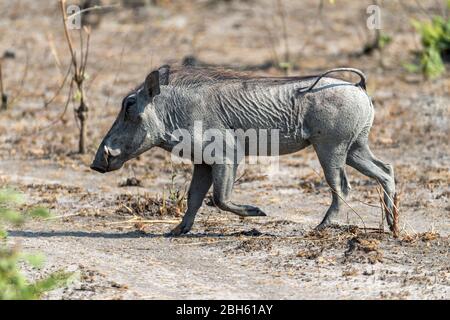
196, 76
190, 76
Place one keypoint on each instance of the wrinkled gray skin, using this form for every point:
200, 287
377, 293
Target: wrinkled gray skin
335, 118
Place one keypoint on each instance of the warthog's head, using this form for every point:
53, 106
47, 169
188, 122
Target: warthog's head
137, 127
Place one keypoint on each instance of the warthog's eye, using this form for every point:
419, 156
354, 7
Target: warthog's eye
128, 104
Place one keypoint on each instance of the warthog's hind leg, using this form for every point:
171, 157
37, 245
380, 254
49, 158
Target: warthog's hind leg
361, 158
200, 184
223, 181
332, 159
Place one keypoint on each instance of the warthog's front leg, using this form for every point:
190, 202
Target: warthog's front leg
200, 184
223, 180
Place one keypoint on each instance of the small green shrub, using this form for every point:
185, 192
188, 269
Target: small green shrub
13, 285
435, 38
384, 40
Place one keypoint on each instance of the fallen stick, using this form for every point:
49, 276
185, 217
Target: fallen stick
144, 221
205, 242
62, 216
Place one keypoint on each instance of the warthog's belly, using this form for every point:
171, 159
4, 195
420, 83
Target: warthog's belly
292, 144
274, 143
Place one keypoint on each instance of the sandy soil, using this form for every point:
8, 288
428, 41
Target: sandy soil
100, 229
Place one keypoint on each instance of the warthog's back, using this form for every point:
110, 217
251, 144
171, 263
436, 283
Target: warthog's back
220, 99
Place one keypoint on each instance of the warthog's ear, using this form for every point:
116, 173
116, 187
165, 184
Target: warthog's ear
164, 75
151, 84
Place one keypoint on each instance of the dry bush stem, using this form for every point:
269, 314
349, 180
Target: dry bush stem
46, 103
382, 206
395, 230
395, 214
3, 96
78, 77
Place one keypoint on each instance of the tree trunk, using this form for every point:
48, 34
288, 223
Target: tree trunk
82, 116
3, 96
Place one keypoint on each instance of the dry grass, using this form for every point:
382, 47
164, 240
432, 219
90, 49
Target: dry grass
146, 205
422, 236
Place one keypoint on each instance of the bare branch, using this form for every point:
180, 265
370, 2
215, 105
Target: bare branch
60, 117
92, 9
86, 53
282, 15
51, 44
46, 103
18, 93
67, 35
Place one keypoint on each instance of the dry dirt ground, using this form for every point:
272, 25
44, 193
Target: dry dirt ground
111, 234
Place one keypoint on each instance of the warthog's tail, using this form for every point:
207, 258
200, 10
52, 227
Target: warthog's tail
361, 83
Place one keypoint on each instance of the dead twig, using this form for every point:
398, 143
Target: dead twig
17, 95
136, 219
62, 216
343, 200
119, 68
61, 116
236, 182
48, 102
51, 44
287, 56
368, 204
395, 212
93, 8
382, 206
395, 230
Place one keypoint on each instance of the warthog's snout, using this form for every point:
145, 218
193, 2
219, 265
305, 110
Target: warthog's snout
97, 168
105, 160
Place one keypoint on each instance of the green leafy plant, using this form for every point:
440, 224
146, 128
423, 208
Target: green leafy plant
384, 40
13, 285
435, 38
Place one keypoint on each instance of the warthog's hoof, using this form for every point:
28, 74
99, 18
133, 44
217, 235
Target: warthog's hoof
323, 225
179, 230
251, 211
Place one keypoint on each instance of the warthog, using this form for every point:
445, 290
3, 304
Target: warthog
332, 115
